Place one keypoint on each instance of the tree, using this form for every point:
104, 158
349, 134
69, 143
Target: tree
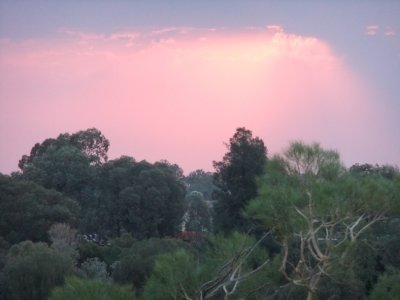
319, 211
28, 210
33, 269
89, 289
235, 179
146, 200
91, 142
228, 268
65, 169
69, 165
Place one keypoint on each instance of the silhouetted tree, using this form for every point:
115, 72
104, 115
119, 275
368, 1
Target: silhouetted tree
235, 179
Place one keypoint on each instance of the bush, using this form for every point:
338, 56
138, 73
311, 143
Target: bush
32, 270
89, 289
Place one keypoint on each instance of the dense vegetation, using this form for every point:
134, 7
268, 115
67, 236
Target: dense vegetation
299, 225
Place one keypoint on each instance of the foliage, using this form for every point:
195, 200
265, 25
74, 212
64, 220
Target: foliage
109, 253
28, 210
93, 268
235, 179
230, 266
318, 211
32, 270
200, 181
388, 287
136, 263
198, 216
69, 164
91, 143
88, 289
65, 240
173, 277
333, 233
140, 198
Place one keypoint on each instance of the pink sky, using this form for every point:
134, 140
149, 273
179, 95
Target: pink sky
179, 93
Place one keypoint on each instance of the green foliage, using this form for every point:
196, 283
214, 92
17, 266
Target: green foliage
28, 210
200, 181
202, 275
146, 200
136, 263
65, 169
91, 143
174, 276
297, 181
93, 268
68, 164
235, 179
388, 287
319, 212
198, 216
64, 239
88, 289
109, 253
32, 270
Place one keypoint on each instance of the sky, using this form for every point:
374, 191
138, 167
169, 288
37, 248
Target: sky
174, 79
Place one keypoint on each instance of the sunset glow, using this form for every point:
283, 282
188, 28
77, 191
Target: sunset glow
179, 93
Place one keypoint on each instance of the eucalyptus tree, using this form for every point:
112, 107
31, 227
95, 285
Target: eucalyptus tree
318, 211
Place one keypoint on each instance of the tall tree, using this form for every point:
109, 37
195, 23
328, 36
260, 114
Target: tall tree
235, 179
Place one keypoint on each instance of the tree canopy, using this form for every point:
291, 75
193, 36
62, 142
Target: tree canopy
28, 210
318, 211
301, 225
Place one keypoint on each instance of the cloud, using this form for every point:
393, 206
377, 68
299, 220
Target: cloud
274, 27
371, 30
178, 94
389, 31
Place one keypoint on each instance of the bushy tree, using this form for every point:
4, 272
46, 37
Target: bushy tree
235, 179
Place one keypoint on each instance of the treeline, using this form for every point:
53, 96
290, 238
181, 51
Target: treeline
299, 225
